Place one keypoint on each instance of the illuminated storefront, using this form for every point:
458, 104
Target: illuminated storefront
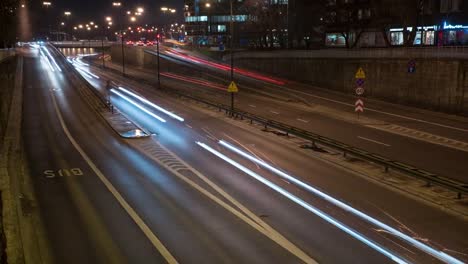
453, 35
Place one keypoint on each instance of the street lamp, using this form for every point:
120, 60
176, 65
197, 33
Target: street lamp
116, 4
46, 4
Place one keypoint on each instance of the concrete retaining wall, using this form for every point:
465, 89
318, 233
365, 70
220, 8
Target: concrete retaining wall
7, 82
439, 84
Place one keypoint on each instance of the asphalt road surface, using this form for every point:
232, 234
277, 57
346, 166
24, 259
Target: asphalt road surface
225, 238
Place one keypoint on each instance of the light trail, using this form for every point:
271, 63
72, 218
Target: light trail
225, 67
433, 252
144, 100
51, 58
194, 81
83, 72
139, 106
305, 205
44, 58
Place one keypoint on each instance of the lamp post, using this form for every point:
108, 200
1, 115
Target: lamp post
67, 14
47, 4
118, 5
158, 37
232, 56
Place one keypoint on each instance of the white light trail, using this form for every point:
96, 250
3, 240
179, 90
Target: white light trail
305, 205
153, 105
44, 58
84, 73
51, 58
435, 253
87, 72
138, 106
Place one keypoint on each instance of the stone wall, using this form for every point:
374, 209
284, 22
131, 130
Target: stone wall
439, 84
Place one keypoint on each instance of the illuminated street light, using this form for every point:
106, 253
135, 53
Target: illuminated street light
108, 19
116, 4
164, 9
110, 23
63, 23
95, 26
46, 4
75, 28
133, 19
80, 26
67, 13
91, 23
173, 10
140, 10
208, 5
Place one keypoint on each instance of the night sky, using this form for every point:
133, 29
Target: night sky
84, 11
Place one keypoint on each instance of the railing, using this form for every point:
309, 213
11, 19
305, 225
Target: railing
82, 44
449, 52
430, 178
102, 100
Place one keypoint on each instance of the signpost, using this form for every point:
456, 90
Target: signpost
411, 66
360, 77
232, 88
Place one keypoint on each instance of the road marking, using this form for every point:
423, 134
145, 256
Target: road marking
241, 212
187, 125
252, 106
63, 172
276, 113
327, 218
380, 112
302, 120
390, 230
131, 212
374, 141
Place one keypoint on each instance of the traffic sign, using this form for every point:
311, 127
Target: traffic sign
359, 106
360, 82
359, 90
360, 74
411, 66
232, 88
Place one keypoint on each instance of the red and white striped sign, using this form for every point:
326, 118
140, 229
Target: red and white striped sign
359, 106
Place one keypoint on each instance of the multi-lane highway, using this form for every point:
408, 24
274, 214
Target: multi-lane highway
434, 142
182, 196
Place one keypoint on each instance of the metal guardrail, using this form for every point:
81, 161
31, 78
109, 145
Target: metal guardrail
102, 100
431, 178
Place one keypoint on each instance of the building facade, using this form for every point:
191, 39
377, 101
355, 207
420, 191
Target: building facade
255, 23
383, 23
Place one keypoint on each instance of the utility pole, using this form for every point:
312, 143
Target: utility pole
157, 50
232, 55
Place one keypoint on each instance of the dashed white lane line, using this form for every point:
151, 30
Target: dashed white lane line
253, 106
374, 141
381, 112
131, 212
274, 112
302, 120
188, 126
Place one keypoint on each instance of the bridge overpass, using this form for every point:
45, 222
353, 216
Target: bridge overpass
83, 44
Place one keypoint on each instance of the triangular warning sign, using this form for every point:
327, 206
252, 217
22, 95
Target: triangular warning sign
232, 88
360, 74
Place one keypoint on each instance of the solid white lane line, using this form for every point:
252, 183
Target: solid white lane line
302, 120
229, 203
253, 106
418, 244
381, 112
276, 113
305, 205
374, 141
131, 212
